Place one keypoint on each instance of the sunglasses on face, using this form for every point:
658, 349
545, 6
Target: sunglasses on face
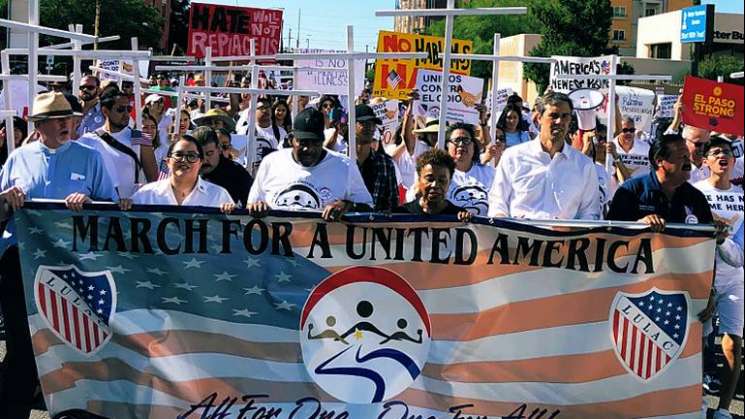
327, 106
225, 146
189, 157
717, 153
87, 87
465, 141
123, 109
628, 130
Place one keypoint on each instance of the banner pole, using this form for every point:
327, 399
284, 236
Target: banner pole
445, 76
610, 134
136, 85
352, 123
494, 77
10, 141
252, 112
33, 60
208, 78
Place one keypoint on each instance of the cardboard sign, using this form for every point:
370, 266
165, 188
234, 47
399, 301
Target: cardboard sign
394, 79
579, 66
18, 96
387, 111
463, 95
501, 101
332, 82
711, 105
665, 105
125, 67
228, 30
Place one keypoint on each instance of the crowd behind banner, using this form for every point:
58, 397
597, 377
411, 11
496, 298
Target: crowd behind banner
547, 162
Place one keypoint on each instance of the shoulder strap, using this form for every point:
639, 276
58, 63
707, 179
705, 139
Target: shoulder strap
111, 141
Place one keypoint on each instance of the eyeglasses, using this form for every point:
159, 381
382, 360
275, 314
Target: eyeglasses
716, 153
628, 130
461, 141
189, 157
87, 87
327, 106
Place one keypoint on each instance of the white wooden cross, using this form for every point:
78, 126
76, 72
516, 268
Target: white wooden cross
495, 58
449, 13
737, 75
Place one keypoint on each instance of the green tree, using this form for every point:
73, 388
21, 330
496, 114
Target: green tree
126, 18
481, 29
569, 27
178, 32
719, 65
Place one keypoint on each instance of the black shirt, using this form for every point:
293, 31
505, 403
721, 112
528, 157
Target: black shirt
642, 196
413, 207
233, 177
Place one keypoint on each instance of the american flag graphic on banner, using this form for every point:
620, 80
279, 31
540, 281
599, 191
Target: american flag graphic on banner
393, 79
217, 315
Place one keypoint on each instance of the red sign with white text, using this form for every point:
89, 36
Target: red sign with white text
228, 30
714, 106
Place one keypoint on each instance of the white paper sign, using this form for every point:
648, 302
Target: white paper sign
579, 66
125, 67
464, 93
636, 103
501, 102
387, 111
18, 96
665, 104
332, 82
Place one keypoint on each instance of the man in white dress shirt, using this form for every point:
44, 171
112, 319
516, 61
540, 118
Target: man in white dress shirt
546, 178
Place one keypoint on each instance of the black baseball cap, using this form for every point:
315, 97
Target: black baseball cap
365, 113
309, 124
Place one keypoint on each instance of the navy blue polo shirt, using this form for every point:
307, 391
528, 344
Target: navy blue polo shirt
642, 196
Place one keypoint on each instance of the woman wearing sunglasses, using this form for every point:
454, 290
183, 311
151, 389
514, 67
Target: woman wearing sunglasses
183, 186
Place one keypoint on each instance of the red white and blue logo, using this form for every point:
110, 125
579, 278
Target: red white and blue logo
649, 330
77, 306
365, 335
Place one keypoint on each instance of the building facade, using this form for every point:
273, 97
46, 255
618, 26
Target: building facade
415, 24
626, 15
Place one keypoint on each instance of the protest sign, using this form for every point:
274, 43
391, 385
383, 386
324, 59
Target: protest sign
166, 312
465, 93
501, 102
332, 82
634, 102
18, 96
121, 66
387, 111
712, 105
228, 30
579, 66
394, 79
665, 104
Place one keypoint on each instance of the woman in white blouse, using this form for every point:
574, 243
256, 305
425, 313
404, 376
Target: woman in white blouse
183, 186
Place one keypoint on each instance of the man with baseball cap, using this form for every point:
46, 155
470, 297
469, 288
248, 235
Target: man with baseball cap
54, 168
308, 177
377, 168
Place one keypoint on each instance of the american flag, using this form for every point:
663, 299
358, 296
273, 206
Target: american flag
188, 325
393, 79
163, 170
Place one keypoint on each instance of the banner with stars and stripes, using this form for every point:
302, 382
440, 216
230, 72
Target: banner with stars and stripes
167, 312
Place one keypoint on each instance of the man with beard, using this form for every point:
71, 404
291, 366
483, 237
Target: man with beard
220, 170
308, 177
92, 114
546, 178
127, 154
54, 168
664, 195
377, 168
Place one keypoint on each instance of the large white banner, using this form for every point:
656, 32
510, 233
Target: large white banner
464, 93
579, 66
636, 103
332, 82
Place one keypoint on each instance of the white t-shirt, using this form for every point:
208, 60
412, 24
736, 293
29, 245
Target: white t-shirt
606, 191
265, 144
729, 206
468, 190
204, 194
119, 166
340, 146
406, 162
285, 184
636, 159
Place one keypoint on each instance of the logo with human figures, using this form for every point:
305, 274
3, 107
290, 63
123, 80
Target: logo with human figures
365, 335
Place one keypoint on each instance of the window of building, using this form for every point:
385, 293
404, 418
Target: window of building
661, 50
650, 11
619, 11
619, 35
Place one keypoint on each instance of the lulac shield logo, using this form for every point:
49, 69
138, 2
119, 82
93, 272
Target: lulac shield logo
365, 335
76, 305
649, 330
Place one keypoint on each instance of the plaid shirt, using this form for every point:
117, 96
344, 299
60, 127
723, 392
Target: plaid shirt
379, 175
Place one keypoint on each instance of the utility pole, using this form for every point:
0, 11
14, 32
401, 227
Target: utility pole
307, 43
289, 38
297, 45
96, 23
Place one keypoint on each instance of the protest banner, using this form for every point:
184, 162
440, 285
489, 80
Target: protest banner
501, 100
121, 66
333, 82
185, 312
634, 102
712, 105
665, 105
465, 93
394, 79
580, 66
228, 30
387, 111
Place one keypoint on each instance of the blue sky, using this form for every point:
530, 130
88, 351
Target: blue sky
323, 23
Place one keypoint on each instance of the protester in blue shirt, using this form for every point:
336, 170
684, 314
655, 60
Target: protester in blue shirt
93, 117
55, 168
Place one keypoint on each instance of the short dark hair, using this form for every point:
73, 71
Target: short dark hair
188, 138
109, 95
205, 135
660, 148
554, 98
435, 157
91, 76
716, 141
513, 99
471, 132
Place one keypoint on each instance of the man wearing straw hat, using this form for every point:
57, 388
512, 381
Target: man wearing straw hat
53, 168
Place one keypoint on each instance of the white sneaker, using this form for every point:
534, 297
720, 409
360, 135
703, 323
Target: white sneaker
722, 414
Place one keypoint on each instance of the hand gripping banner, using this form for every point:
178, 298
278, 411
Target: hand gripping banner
167, 313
